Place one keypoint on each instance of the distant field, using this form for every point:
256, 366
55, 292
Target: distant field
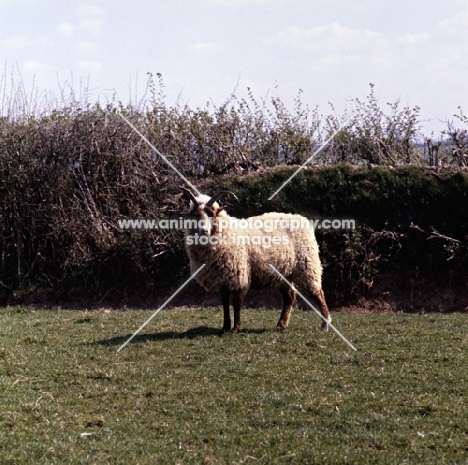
178, 393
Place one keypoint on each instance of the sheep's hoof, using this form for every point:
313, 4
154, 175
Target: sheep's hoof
235, 330
279, 327
324, 326
223, 332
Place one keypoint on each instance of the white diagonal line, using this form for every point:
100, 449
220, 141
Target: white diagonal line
310, 158
160, 308
159, 153
313, 308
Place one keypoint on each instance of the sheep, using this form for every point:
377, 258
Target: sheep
237, 258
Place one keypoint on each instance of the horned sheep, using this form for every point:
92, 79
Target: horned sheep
237, 258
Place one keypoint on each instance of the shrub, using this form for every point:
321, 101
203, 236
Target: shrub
69, 170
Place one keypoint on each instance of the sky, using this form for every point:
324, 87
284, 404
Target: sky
330, 50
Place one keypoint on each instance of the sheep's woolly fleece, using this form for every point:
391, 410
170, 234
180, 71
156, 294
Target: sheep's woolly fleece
240, 267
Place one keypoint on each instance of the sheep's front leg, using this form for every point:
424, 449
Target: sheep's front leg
237, 302
225, 294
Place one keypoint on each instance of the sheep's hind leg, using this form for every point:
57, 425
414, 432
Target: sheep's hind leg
320, 296
289, 299
225, 295
237, 302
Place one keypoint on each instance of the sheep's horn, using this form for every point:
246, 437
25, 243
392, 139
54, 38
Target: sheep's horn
217, 196
188, 195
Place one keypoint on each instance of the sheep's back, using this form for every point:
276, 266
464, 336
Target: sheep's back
296, 258
244, 260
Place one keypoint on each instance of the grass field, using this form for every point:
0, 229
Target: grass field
178, 393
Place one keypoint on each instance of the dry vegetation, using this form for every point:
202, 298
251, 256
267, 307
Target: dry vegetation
70, 170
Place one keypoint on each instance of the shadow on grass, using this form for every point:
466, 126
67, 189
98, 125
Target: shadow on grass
200, 331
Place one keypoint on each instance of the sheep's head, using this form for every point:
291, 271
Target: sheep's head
204, 210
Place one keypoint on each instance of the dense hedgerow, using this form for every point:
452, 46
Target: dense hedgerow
411, 221
67, 175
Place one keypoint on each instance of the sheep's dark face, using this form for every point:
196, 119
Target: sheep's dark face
204, 217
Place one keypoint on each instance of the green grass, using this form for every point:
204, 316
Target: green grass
178, 393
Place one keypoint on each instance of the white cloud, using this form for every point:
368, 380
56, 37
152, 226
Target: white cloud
236, 3
43, 42
412, 39
332, 37
89, 67
335, 48
207, 47
86, 48
16, 41
22, 41
93, 25
66, 30
33, 65
91, 10
39, 70
454, 26
437, 56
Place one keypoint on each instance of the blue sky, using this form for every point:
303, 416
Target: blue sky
415, 51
